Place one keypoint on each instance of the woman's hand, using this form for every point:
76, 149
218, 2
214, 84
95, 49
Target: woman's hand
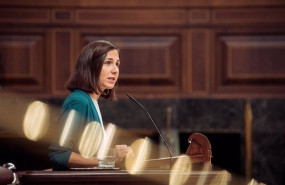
78, 161
123, 151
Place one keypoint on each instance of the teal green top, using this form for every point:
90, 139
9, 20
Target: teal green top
86, 112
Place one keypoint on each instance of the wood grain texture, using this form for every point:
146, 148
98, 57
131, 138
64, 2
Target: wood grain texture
146, 3
21, 63
212, 48
249, 60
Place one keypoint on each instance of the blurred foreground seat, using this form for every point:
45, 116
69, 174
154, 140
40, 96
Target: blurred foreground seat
6, 176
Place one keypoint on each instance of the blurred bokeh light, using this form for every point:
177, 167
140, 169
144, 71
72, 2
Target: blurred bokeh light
141, 150
180, 171
108, 139
36, 120
91, 139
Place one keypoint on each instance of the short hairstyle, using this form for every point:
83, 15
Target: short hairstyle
88, 67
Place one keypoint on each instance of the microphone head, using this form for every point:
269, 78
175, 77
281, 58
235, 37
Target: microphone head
129, 96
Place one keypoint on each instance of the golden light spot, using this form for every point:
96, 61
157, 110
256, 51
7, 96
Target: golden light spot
254, 182
67, 128
91, 139
204, 175
180, 171
108, 138
141, 150
221, 179
36, 122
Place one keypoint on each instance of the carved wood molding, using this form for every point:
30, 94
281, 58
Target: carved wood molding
139, 3
22, 61
249, 61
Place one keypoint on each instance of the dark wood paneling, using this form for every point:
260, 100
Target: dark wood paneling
262, 57
199, 56
255, 15
199, 16
131, 16
63, 60
250, 62
148, 63
140, 3
20, 15
175, 48
63, 16
21, 62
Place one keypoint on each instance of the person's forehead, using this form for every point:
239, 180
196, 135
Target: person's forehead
112, 53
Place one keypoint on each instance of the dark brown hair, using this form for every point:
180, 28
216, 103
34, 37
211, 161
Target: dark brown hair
87, 69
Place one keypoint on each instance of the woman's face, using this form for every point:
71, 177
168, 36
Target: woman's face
110, 70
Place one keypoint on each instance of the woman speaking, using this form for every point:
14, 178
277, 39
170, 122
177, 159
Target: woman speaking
95, 74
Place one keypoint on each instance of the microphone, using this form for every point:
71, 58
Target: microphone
157, 129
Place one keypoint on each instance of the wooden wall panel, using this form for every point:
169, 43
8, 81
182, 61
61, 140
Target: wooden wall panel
24, 15
199, 61
146, 3
148, 63
131, 16
262, 57
179, 49
63, 59
62, 16
250, 62
252, 15
198, 16
21, 61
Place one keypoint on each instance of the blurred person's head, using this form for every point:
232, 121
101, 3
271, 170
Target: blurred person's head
96, 69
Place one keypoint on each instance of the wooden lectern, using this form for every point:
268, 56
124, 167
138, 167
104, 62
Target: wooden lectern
198, 151
156, 171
